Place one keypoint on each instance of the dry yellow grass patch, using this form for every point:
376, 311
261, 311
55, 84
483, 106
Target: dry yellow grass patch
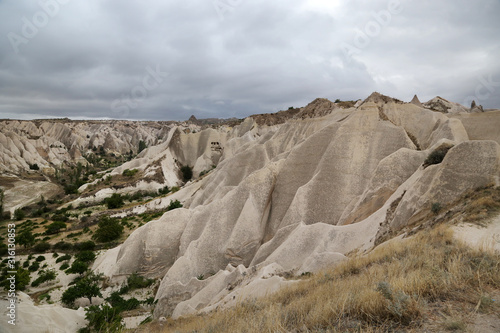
400, 284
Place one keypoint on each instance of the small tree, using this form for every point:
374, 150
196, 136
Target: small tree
85, 256
26, 238
78, 267
19, 214
41, 247
108, 230
44, 276
103, 319
142, 146
86, 287
187, 172
55, 227
115, 201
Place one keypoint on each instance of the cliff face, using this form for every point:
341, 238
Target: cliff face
297, 194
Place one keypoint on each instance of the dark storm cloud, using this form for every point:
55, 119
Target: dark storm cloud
218, 58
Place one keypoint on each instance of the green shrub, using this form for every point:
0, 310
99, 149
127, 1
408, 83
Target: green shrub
41, 247
78, 267
437, 155
34, 267
22, 279
19, 214
103, 319
109, 229
436, 207
142, 146
63, 246
40, 258
187, 172
64, 266
55, 227
164, 190
120, 304
86, 287
85, 256
174, 204
26, 238
84, 246
44, 276
135, 281
129, 173
63, 258
115, 201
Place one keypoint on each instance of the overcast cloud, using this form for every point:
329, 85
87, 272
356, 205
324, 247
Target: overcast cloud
167, 60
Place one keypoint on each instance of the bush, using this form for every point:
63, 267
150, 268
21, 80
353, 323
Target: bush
78, 267
142, 146
120, 304
63, 246
85, 256
84, 246
115, 201
19, 214
436, 207
109, 229
135, 281
44, 276
86, 287
187, 172
174, 204
22, 279
129, 173
34, 267
437, 155
55, 228
63, 258
41, 247
60, 217
26, 238
103, 319
164, 190
64, 266
40, 258
71, 189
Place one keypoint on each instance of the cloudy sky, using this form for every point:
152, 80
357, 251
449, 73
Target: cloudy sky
166, 60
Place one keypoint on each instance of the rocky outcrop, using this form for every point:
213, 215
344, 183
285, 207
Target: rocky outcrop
416, 101
50, 143
442, 105
298, 196
291, 193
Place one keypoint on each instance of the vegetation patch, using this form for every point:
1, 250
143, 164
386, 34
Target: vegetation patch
437, 155
395, 287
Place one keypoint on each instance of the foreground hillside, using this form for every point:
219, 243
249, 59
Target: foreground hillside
207, 218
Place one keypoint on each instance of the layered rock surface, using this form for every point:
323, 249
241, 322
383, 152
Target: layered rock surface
298, 195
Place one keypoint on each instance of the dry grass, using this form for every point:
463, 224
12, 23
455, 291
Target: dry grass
482, 204
399, 285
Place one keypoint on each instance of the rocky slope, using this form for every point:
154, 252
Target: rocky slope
291, 192
297, 195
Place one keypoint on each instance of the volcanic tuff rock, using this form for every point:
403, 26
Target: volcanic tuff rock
300, 193
50, 143
291, 192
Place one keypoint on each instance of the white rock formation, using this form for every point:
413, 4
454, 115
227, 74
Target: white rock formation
301, 193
